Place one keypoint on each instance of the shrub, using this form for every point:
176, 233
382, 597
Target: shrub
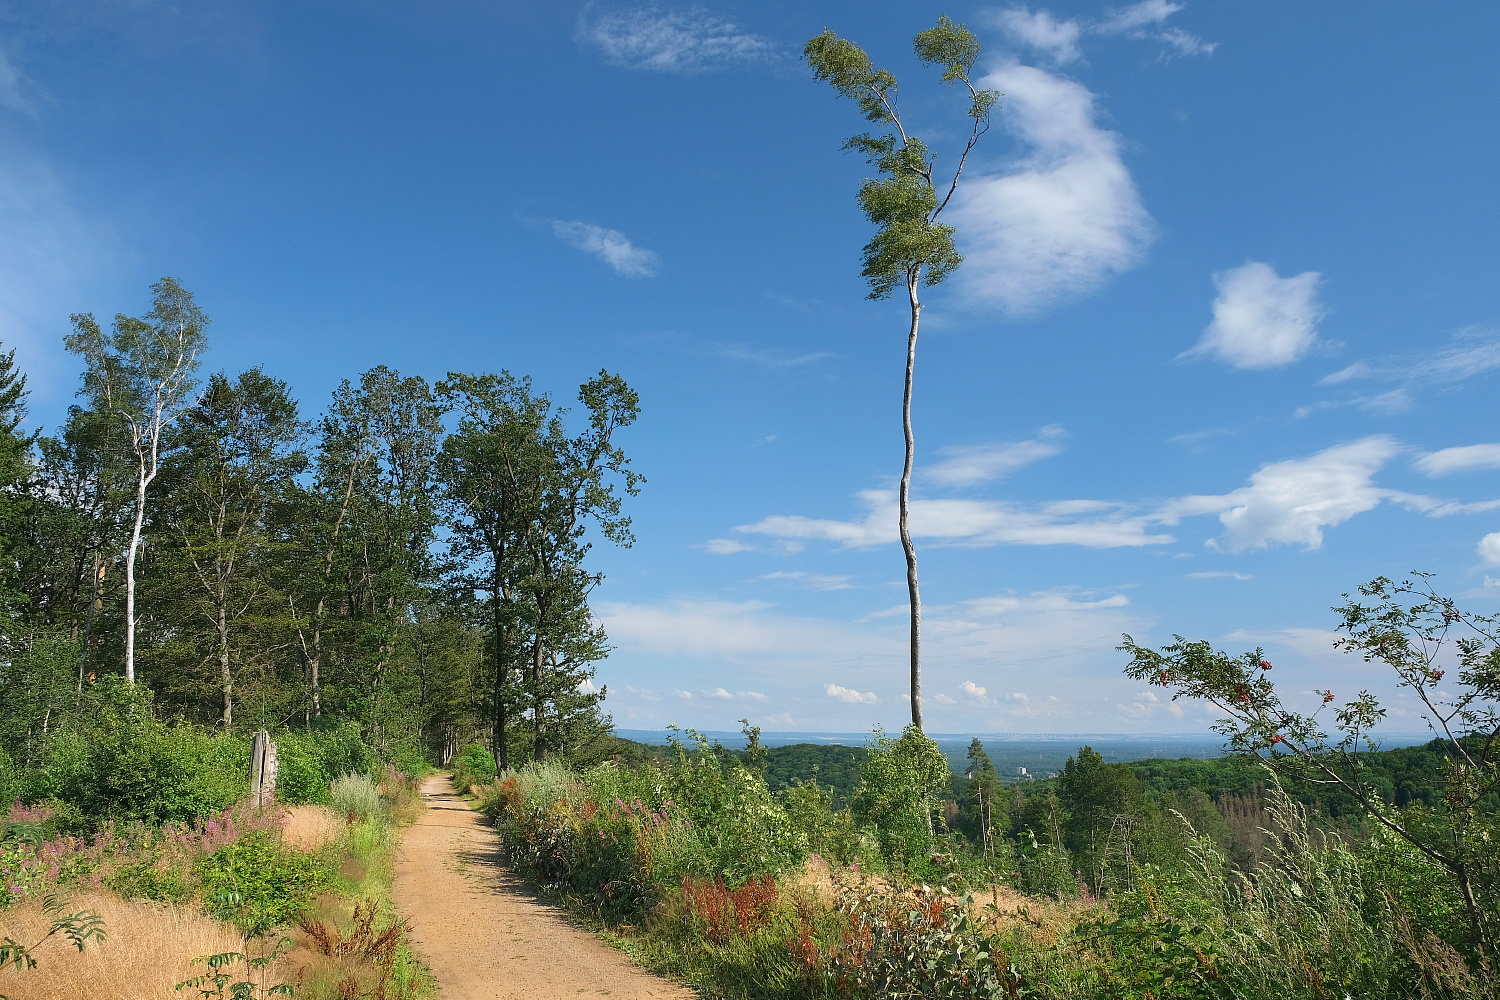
356, 795
901, 779
141, 769
258, 883
473, 765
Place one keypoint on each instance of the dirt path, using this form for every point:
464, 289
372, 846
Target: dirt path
483, 934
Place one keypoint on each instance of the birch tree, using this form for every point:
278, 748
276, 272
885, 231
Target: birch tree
143, 372
906, 200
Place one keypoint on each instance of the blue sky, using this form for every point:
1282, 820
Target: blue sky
1223, 347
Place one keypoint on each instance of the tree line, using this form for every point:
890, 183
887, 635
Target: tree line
413, 559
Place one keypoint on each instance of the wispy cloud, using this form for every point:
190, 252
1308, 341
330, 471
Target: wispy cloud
1261, 320
1147, 20
1059, 40
1290, 502
1061, 220
968, 465
972, 523
12, 95
768, 357
1473, 350
812, 581
1218, 574
610, 246
1449, 460
670, 41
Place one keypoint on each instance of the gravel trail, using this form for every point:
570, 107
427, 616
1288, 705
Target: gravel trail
483, 934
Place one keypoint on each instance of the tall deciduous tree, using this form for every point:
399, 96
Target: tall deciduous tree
240, 451
912, 247
521, 493
143, 371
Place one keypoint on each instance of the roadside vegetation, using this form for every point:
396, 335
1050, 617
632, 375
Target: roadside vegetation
1308, 865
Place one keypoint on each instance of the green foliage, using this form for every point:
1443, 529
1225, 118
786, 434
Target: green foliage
217, 979
904, 202
258, 884
1419, 635
473, 765
129, 766
902, 778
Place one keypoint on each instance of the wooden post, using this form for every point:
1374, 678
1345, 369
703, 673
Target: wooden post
262, 768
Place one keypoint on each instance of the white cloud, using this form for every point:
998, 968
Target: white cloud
610, 246
720, 694
1041, 31
966, 465
975, 692
1489, 550
654, 38
726, 546
973, 522
1058, 40
1292, 502
944, 699
1186, 43
812, 581
850, 695
1218, 574
1137, 17
1064, 218
1473, 456
1261, 320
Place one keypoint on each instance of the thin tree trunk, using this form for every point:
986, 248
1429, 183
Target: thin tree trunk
906, 543
225, 676
315, 662
501, 751
135, 543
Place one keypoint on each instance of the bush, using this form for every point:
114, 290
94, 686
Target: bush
474, 765
141, 769
259, 884
356, 795
901, 779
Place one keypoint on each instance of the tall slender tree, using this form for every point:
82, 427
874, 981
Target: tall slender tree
143, 372
912, 248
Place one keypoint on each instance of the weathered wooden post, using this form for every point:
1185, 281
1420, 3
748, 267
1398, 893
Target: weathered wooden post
262, 768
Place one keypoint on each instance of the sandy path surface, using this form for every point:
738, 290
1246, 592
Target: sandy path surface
480, 930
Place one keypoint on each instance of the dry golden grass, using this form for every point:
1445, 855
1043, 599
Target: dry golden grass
149, 949
309, 828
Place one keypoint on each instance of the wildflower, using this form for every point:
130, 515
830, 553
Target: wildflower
1265, 664
1277, 738
1434, 675
1327, 697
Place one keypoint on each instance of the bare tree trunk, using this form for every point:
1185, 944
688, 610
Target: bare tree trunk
906, 543
225, 676
135, 543
501, 751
